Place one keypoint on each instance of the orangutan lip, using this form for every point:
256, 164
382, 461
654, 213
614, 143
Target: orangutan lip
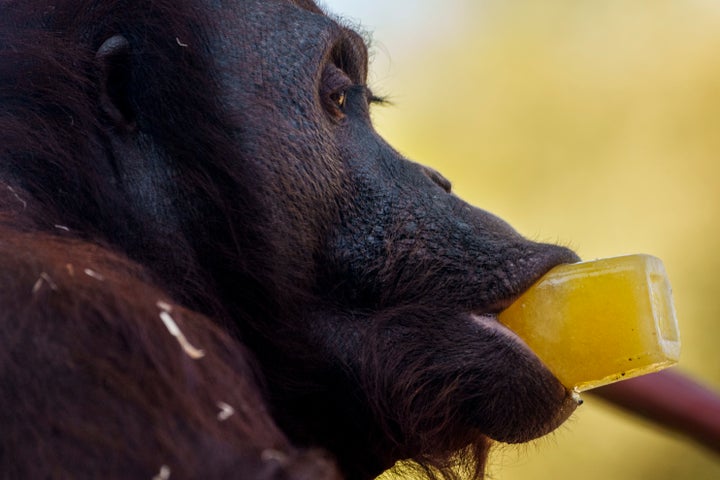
496, 307
488, 315
484, 318
490, 322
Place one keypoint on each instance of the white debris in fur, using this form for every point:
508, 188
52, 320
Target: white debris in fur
226, 411
37, 285
44, 278
24, 203
163, 474
93, 274
184, 45
172, 327
270, 454
162, 305
61, 227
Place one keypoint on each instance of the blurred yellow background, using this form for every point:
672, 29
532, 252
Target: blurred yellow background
595, 124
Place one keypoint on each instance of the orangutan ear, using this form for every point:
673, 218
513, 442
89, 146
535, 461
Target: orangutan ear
113, 62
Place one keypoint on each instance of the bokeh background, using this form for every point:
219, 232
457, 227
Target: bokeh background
595, 124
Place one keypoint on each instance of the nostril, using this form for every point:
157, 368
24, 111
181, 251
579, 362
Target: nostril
436, 177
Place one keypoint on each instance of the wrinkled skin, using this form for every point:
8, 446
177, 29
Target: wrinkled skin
362, 289
396, 255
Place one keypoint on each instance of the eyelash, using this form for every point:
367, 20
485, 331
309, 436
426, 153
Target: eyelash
377, 99
337, 87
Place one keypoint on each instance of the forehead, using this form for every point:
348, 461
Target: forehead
259, 33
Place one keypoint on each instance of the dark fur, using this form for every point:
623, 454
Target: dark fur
200, 159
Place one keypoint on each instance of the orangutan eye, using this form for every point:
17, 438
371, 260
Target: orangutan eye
339, 98
334, 90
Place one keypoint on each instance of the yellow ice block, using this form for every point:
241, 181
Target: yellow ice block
593, 323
